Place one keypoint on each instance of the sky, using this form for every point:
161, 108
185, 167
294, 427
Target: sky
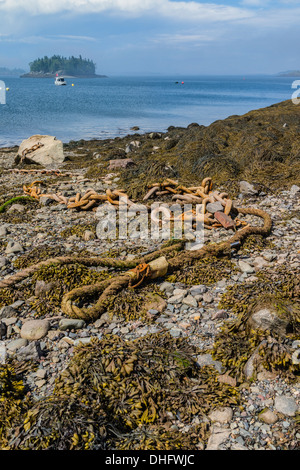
159, 37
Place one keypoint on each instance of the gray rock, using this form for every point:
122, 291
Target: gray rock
295, 189
86, 340
268, 416
250, 365
3, 261
208, 298
286, 405
197, 290
104, 319
245, 267
7, 311
71, 324
176, 299
45, 201
10, 320
17, 304
190, 301
207, 360
166, 287
41, 373
175, 332
213, 207
3, 231
3, 353
265, 319
13, 247
247, 189
221, 415
31, 352
16, 344
218, 435
16, 208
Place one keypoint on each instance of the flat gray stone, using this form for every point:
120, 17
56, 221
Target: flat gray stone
286, 405
213, 207
71, 324
245, 267
16, 344
218, 435
190, 301
197, 290
7, 311
31, 352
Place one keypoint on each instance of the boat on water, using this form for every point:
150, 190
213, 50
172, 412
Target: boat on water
60, 81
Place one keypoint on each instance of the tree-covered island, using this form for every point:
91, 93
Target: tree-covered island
62, 66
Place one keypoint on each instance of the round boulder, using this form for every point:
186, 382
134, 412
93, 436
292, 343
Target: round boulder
35, 329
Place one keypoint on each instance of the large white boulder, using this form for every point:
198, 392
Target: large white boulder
43, 149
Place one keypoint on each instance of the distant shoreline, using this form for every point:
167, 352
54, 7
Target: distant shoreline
53, 75
294, 73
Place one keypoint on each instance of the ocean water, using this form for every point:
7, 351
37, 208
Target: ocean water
108, 107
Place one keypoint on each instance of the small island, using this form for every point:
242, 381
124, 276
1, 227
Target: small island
72, 67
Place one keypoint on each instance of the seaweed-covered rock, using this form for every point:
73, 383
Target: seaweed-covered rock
265, 319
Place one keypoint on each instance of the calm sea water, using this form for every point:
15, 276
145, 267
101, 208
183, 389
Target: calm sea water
108, 107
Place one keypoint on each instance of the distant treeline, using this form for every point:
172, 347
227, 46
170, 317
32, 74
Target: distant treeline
4, 71
68, 66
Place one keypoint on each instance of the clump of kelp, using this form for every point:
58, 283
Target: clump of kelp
255, 243
158, 438
15, 217
38, 254
13, 403
78, 230
239, 339
55, 280
125, 394
206, 271
60, 279
133, 304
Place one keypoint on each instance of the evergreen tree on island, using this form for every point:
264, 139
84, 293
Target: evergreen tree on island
68, 66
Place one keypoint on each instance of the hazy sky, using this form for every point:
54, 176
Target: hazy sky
129, 37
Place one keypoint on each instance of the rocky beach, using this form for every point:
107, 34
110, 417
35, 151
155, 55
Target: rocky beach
205, 357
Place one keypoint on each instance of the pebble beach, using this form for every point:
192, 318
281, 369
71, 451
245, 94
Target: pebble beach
267, 414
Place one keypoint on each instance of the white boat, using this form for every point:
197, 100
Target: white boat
60, 81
